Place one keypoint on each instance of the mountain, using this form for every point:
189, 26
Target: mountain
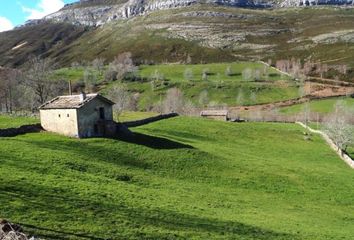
99, 12
158, 31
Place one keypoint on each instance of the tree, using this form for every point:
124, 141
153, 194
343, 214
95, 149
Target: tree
240, 98
9, 81
174, 101
98, 65
121, 67
338, 128
37, 77
253, 97
228, 71
204, 98
189, 59
90, 80
247, 74
306, 114
205, 74
121, 97
75, 65
188, 74
156, 79
257, 75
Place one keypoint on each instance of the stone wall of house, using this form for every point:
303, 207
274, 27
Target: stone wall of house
220, 118
62, 121
89, 116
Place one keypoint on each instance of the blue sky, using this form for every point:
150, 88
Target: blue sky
16, 12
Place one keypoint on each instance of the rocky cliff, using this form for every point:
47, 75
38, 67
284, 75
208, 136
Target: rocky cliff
98, 12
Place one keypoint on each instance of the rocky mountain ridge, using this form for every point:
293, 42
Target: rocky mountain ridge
99, 12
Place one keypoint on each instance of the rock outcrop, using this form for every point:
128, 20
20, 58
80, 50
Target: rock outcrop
98, 12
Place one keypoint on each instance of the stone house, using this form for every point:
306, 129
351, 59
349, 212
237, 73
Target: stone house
78, 116
216, 114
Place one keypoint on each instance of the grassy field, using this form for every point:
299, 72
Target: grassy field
224, 84
7, 121
183, 178
319, 106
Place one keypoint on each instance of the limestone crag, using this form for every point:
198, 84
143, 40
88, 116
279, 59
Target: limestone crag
99, 12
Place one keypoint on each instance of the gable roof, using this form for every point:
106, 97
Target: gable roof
214, 113
72, 101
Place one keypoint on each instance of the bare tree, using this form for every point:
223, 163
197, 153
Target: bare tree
9, 81
157, 79
204, 98
247, 74
174, 101
189, 59
306, 114
90, 80
37, 77
338, 128
228, 71
205, 74
121, 67
98, 65
257, 75
240, 97
188, 74
120, 95
75, 65
189, 108
253, 97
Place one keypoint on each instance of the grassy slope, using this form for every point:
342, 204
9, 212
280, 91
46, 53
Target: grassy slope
44, 39
13, 122
222, 89
169, 36
319, 106
276, 34
204, 180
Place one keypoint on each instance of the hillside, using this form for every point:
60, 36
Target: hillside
216, 88
205, 32
184, 179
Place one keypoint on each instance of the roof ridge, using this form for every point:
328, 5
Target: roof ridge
73, 101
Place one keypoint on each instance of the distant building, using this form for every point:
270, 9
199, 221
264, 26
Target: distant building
78, 116
216, 114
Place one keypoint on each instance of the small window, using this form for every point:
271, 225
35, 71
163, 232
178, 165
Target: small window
68, 115
59, 116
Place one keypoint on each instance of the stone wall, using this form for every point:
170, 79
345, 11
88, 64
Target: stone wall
62, 121
89, 116
149, 120
345, 157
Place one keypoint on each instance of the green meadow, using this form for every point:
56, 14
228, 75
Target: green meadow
236, 83
7, 121
323, 106
182, 178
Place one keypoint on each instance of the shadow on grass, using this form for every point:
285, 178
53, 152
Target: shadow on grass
152, 141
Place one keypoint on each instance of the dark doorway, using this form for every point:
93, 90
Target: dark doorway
95, 129
102, 115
